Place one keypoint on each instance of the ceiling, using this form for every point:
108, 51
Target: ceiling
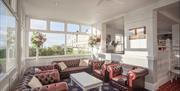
167, 16
81, 11
117, 24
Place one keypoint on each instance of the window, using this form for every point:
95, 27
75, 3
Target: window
86, 29
54, 45
38, 24
56, 26
72, 27
7, 39
138, 38
83, 44
70, 41
77, 44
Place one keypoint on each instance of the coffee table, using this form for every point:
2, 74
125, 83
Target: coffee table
86, 81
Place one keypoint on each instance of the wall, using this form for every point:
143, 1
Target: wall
146, 16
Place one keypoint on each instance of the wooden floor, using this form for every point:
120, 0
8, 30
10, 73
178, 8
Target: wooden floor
171, 86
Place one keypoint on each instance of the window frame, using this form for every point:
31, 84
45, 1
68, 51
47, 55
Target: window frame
65, 32
135, 33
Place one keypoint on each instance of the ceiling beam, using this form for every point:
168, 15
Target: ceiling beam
170, 16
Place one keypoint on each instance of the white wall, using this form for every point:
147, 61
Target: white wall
146, 16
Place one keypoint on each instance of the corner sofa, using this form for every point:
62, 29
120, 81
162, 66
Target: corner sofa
72, 67
49, 78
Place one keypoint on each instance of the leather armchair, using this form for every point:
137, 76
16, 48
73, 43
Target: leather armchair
127, 77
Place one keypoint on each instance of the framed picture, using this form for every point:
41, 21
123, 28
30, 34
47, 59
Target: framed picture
137, 33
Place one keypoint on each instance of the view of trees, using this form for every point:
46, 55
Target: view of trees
56, 50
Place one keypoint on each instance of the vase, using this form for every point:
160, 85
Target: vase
37, 56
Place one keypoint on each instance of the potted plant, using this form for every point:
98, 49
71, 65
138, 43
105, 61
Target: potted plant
93, 41
37, 41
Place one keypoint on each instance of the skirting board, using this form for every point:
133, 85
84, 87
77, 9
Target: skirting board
155, 86
150, 86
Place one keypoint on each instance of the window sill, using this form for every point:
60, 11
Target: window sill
3, 75
61, 56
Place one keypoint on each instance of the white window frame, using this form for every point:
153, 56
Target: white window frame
51, 31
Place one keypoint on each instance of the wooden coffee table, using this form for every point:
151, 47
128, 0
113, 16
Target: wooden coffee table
86, 81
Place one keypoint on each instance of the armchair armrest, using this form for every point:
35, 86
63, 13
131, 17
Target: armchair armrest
135, 74
49, 77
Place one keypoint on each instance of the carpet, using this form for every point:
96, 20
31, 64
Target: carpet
171, 86
106, 87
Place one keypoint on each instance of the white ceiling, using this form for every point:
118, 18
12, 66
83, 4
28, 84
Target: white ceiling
117, 24
81, 11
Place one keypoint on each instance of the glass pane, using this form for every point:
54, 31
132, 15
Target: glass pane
71, 44
72, 27
86, 29
83, 44
56, 26
54, 45
138, 43
77, 44
38, 24
7, 38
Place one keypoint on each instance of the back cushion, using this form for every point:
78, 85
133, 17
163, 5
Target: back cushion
117, 70
72, 63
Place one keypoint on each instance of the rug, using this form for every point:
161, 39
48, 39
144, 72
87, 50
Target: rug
106, 87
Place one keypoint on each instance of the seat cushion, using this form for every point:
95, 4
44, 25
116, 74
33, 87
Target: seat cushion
121, 79
74, 69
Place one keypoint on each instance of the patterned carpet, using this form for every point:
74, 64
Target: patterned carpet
105, 87
174, 86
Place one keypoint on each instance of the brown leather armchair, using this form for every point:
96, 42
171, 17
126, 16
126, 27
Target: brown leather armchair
127, 77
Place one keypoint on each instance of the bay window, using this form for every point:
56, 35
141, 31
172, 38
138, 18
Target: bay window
62, 38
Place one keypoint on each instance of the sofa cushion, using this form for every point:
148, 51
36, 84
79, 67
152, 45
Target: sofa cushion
34, 83
73, 69
84, 62
120, 79
62, 65
37, 70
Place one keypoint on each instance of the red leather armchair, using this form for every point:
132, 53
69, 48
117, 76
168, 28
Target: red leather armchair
100, 69
127, 77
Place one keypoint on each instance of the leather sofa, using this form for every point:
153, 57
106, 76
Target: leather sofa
50, 80
72, 67
127, 77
